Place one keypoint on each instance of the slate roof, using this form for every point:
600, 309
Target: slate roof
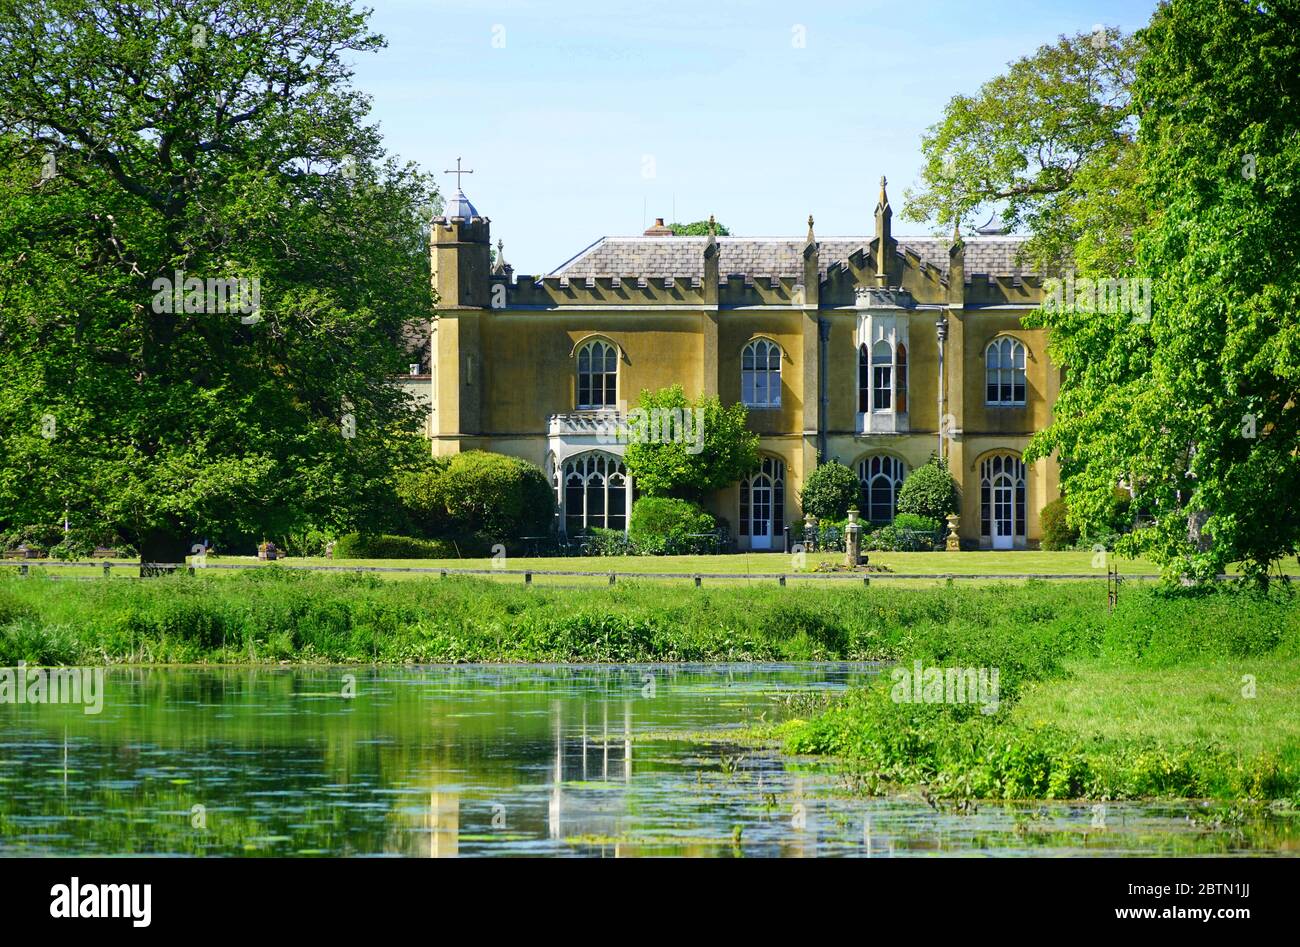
772, 256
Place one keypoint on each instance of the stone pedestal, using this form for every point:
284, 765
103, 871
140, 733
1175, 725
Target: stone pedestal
809, 532
954, 543
852, 539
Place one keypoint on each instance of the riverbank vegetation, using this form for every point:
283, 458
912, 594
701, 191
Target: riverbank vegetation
1171, 695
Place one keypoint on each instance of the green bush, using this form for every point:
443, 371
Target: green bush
665, 526
929, 491
665, 516
893, 538
829, 491
607, 542
1057, 531
917, 523
34, 537
309, 542
496, 496
362, 546
421, 495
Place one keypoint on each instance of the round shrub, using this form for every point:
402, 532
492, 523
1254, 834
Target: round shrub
421, 495
1057, 531
497, 496
929, 491
829, 491
664, 525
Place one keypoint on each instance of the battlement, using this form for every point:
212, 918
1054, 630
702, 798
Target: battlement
662, 270
459, 230
922, 281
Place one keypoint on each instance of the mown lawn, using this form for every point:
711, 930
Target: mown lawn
939, 564
1206, 702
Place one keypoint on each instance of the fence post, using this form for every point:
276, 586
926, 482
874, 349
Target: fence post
781, 580
442, 573
697, 580
528, 578
107, 567
866, 580
22, 569
612, 578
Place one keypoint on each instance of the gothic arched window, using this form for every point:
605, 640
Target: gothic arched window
1004, 372
760, 374
881, 476
597, 375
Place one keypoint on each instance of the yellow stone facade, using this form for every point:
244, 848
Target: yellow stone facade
506, 351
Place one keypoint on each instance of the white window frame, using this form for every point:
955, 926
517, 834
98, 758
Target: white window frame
589, 467
767, 377
891, 473
1004, 369
608, 350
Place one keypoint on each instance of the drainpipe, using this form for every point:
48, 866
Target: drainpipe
941, 330
823, 395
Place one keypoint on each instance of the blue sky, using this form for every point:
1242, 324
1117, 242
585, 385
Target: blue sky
584, 119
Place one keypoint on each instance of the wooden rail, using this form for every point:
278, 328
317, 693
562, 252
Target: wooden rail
779, 577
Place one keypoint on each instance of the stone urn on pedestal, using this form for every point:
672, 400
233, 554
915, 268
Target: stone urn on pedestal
809, 532
954, 543
852, 539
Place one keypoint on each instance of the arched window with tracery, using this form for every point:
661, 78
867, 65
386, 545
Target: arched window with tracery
882, 377
597, 375
595, 492
762, 504
881, 477
1004, 372
1003, 501
760, 374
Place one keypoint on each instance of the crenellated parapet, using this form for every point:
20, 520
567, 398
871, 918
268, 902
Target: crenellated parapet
659, 270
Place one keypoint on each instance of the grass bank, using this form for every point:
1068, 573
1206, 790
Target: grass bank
1168, 696
272, 615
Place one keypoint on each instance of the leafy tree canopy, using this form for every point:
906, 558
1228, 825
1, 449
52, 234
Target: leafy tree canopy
212, 139
1195, 410
698, 228
710, 449
1049, 143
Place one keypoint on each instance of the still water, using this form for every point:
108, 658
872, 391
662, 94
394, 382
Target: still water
500, 760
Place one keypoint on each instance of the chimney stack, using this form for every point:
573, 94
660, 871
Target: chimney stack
659, 230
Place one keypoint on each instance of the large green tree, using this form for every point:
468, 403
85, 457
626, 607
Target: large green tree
1049, 144
214, 139
1196, 409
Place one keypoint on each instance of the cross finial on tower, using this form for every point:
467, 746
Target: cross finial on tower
458, 172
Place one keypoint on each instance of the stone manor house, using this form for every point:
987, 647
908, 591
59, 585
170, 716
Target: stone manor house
876, 351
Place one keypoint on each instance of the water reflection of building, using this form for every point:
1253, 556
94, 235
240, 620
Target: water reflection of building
587, 822
444, 824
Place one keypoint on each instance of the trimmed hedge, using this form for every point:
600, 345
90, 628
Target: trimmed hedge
359, 546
